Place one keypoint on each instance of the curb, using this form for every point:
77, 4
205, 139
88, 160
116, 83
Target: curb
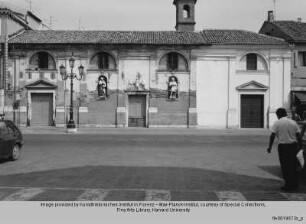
145, 131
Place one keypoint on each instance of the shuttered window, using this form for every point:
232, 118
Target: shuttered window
251, 61
295, 59
172, 61
43, 61
103, 61
302, 58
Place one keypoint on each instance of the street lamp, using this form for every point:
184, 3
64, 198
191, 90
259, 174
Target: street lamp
71, 127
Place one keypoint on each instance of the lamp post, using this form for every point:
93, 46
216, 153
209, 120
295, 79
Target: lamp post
71, 127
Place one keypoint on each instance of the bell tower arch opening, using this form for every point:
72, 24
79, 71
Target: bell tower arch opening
186, 11
185, 15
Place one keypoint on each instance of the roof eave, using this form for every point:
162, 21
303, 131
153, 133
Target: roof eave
34, 17
174, 2
247, 44
298, 41
154, 44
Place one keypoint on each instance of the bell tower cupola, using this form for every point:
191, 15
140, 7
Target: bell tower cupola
185, 15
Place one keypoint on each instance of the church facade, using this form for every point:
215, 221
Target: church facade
182, 78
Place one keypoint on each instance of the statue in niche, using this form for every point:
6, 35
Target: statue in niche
173, 88
102, 86
138, 84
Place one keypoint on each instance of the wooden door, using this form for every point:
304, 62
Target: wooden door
137, 111
252, 111
42, 109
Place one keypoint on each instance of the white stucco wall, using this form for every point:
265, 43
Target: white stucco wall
212, 88
221, 71
129, 69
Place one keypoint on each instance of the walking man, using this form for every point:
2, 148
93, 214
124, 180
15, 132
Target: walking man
289, 143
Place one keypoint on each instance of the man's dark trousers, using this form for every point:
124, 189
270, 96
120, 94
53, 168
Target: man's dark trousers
287, 157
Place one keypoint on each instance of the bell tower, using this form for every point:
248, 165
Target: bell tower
185, 15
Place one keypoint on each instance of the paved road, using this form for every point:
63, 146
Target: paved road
145, 164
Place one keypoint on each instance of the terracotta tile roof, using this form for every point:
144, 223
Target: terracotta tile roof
206, 37
240, 37
295, 30
109, 37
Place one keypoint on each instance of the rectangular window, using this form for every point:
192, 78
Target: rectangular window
103, 61
43, 60
302, 58
251, 62
172, 61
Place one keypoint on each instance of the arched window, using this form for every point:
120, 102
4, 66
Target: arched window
42, 60
102, 60
186, 11
253, 62
173, 62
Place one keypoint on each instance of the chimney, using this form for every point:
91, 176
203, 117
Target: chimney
270, 16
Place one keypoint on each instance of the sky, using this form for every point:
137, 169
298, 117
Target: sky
159, 14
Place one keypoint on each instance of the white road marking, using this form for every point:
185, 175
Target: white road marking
24, 194
230, 196
295, 196
93, 195
158, 195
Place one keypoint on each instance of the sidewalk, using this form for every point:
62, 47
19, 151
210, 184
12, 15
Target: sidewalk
145, 131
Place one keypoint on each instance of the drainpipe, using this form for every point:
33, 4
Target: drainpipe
228, 93
270, 79
1, 84
14, 95
148, 99
4, 72
5, 62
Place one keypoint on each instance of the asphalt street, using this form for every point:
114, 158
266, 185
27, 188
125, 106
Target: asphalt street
143, 164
